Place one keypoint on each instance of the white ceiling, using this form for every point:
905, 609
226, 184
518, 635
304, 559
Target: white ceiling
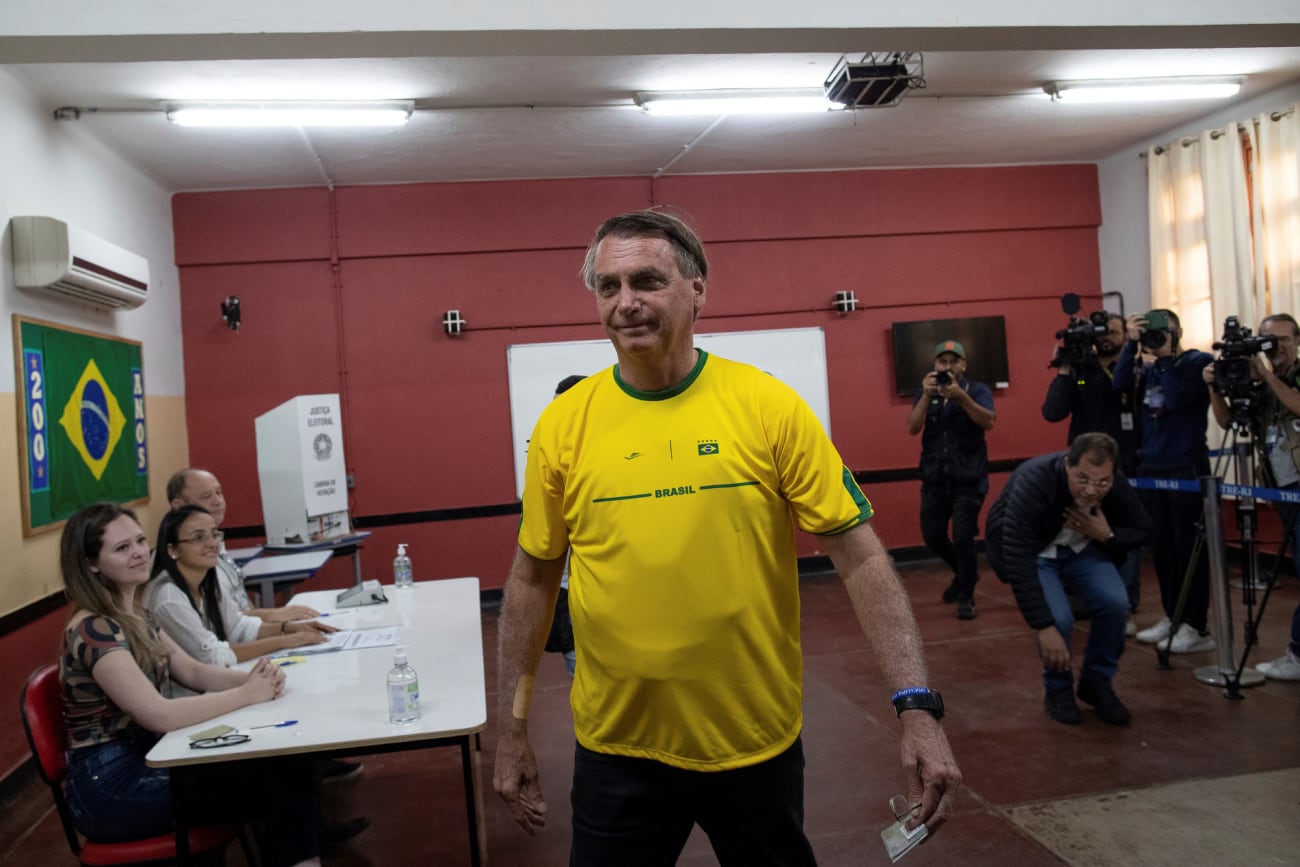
509, 116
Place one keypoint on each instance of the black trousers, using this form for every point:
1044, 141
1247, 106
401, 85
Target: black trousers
630, 812
1174, 518
959, 504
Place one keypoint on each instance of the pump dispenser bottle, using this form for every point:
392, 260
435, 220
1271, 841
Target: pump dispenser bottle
403, 691
402, 567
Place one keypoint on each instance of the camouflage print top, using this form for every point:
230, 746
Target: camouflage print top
89, 714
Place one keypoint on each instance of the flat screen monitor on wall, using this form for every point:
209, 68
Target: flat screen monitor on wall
984, 338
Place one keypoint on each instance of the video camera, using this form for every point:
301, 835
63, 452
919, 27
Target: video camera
1079, 338
1232, 367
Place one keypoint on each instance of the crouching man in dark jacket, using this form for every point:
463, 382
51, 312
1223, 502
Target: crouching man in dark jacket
1063, 524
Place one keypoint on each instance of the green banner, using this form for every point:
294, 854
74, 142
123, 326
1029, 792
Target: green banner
81, 407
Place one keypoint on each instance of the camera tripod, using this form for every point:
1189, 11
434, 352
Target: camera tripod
1239, 442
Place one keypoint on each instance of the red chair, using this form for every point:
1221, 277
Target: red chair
42, 710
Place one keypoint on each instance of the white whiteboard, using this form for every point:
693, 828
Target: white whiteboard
796, 356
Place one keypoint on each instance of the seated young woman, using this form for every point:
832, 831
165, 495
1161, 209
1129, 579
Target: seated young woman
186, 598
115, 666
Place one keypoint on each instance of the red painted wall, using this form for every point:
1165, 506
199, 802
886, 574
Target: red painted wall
344, 292
23, 650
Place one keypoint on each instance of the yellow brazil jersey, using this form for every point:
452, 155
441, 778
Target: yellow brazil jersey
680, 508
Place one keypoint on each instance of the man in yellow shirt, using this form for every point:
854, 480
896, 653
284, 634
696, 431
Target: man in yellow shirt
676, 479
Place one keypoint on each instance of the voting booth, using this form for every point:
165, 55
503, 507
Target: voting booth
301, 471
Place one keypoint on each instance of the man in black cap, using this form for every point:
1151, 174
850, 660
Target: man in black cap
952, 413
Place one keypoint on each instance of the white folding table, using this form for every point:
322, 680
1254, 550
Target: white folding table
265, 574
340, 701
338, 546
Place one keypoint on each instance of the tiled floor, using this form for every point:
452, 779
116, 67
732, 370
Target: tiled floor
1036, 792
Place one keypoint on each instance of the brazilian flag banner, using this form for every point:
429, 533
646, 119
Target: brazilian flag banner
81, 409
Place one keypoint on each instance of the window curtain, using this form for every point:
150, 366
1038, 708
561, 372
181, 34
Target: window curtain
1229, 250
1180, 274
1275, 215
1224, 225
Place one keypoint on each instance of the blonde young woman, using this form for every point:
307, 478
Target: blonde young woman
185, 596
115, 667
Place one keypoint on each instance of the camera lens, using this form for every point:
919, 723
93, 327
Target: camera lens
1232, 372
943, 377
1154, 339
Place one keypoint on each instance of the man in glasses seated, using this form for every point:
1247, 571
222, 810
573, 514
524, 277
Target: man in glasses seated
1064, 523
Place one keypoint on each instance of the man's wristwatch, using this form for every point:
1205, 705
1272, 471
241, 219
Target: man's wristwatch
919, 698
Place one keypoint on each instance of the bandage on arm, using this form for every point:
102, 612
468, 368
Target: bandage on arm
523, 696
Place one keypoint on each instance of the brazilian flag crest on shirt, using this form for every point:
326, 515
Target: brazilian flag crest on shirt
82, 408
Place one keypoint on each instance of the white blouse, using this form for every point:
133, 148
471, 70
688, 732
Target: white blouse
171, 607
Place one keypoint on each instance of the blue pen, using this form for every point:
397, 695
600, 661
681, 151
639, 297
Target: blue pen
279, 725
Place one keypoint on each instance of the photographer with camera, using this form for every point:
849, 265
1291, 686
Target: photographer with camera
1260, 377
1174, 406
1082, 389
954, 413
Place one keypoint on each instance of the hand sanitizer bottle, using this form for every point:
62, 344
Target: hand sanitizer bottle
403, 691
401, 567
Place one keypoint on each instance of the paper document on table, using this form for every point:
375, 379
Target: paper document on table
355, 639
377, 636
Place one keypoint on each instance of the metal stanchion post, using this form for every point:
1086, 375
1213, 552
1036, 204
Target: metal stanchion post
1224, 672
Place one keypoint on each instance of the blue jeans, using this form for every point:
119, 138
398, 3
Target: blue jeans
114, 796
1090, 575
1131, 572
638, 812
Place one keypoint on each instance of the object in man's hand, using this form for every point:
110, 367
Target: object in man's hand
897, 838
1156, 330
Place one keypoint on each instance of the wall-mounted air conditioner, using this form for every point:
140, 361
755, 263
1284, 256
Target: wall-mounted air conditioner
51, 256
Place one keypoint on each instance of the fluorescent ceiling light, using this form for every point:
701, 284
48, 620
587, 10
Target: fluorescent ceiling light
1143, 89
782, 101
245, 114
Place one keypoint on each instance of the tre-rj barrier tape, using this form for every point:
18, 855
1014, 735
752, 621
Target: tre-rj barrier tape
1226, 490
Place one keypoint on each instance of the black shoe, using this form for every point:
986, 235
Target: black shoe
950, 595
338, 830
966, 609
1061, 707
336, 770
1104, 702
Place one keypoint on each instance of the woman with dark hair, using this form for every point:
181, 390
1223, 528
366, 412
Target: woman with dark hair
115, 705
185, 597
